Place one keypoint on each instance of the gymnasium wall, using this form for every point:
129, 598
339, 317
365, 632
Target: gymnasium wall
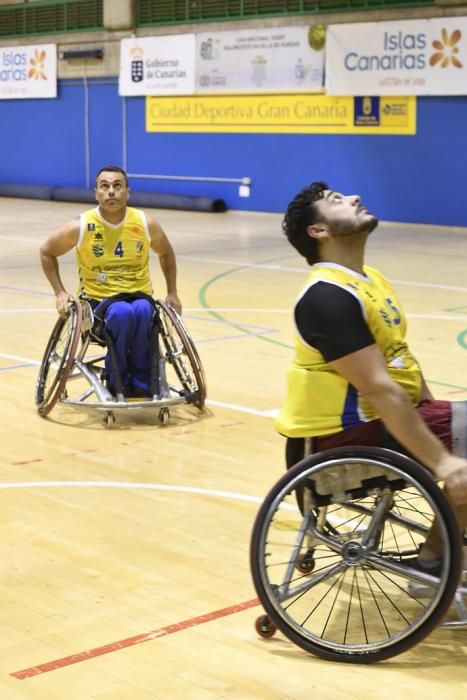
402, 178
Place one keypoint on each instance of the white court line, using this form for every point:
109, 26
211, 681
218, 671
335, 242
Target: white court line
244, 409
148, 487
242, 264
433, 317
304, 270
18, 358
25, 311
429, 285
220, 404
131, 485
19, 239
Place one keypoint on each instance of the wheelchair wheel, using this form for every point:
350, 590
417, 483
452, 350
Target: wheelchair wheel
364, 513
182, 355
58, 359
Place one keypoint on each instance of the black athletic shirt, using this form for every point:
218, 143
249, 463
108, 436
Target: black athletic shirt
331, 320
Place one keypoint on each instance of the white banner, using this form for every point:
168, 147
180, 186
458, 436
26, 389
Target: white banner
162, 65
413, 57
28, 71
270, 59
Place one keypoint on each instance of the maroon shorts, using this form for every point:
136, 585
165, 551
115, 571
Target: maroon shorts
436, 414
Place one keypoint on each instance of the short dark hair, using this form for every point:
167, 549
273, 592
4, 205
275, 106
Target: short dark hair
112, 169
299, 215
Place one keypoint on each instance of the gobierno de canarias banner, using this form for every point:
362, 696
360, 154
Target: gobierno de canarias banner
288, 114
412, 57
266, 59
161, 65
28, 71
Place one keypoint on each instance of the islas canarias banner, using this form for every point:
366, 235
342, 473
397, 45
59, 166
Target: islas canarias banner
28, 71
412, 57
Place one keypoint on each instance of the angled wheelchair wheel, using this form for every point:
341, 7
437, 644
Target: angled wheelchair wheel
181, 353
58, 359
363, 513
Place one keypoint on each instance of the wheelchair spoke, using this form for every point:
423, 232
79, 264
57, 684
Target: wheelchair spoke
342, 583
181, 357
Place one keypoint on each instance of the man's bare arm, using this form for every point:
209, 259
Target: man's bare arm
366, 370
56, 245
161, 245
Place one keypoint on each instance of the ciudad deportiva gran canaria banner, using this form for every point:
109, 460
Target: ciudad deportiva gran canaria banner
286, 114
413, 57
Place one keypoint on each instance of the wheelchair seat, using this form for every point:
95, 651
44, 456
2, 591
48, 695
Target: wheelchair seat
334, 550
69, 375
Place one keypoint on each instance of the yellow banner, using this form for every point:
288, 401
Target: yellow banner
287, 114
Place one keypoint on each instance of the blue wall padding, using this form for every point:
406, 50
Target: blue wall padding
73, 194
26, 191
159, 200
419, 178
144, 199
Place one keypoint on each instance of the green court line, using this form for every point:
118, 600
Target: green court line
457, 308
452, 386
204, 303
462, 339
202, 296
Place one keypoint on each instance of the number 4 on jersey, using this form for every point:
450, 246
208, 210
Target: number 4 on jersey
119, 249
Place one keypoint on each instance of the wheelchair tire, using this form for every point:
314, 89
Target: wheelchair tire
58, 359
191, 378
316, 609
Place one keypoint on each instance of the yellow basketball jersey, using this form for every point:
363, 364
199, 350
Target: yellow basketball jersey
318, 400
113, 258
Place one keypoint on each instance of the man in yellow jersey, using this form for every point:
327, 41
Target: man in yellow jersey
112, 244
353, 380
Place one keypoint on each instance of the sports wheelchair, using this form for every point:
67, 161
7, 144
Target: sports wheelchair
177, 375
333, 556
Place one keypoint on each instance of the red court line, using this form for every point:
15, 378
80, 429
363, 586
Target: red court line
132, 641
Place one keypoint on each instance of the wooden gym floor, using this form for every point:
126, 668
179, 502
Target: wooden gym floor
124, 552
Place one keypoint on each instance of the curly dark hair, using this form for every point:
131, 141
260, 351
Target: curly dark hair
299, 215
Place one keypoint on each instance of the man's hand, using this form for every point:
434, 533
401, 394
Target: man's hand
173, 301
62, 302
453, 471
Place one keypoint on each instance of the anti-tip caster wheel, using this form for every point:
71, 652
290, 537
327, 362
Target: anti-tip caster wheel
164, 415
108, 419
305, 562
265, 627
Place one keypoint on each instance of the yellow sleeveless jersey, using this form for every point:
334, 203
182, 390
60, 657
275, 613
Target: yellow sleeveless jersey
113, 258
318, 400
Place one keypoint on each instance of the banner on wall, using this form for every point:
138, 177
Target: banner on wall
270, 59
162, 65
413, 57
28, 71
287, 114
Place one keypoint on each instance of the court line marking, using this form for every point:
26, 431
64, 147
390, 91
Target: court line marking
19, 239
56, 664
132, 485
132, 641
18, 358
303, 270
229, 309
265, 266
270, 413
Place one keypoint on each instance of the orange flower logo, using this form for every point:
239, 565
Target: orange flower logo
37, 70
446, 49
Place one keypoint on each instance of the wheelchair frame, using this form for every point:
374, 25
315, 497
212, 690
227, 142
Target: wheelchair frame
65, 361
333, 553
